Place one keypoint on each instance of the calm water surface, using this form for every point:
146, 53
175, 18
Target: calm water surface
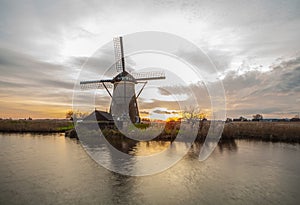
51, 169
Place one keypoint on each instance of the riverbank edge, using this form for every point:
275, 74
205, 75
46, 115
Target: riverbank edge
35, 126
260, 131
263, 131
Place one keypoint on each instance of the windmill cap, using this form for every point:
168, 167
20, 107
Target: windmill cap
123, 76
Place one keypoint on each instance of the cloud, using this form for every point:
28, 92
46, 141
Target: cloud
161, 112
196, 92
33, 82
269, 93
44, 43
273, 93
165, 112
101, 64
144, 112
171, 105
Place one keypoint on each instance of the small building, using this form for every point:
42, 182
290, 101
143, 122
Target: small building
100, 116
104, 119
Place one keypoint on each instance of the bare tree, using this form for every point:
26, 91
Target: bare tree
69, 114
193, 114
257, 117
76, 115
80, 115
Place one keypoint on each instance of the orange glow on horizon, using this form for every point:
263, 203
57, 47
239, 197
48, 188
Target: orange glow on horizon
174, 119
20, 109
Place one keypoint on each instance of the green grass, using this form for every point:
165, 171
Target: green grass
35, 125
142, 126
65, 128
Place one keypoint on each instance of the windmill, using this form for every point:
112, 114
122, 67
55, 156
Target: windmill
124, 98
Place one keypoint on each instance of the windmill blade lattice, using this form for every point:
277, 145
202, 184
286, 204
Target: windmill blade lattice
95, 84
119, 54
153, 75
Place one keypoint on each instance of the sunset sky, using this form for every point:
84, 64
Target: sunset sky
255, 47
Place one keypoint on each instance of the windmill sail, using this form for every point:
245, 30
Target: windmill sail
154, 75
119, 54
95, 84
124, 99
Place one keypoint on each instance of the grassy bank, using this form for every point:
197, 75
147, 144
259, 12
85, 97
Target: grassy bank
50, 125
267, 131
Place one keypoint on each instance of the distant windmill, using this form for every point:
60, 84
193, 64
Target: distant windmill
124, 99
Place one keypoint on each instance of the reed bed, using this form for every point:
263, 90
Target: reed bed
267, 131
43, 125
